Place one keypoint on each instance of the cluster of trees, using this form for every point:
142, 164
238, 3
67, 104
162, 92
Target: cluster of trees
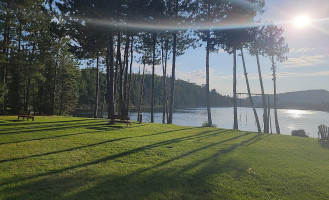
37, 70
117, 32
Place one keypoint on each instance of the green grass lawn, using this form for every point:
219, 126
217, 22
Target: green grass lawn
80, 158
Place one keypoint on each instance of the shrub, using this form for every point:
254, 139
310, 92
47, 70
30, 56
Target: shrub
205, 124
299, 133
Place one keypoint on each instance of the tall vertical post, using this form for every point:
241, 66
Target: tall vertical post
265, 115
110, 77
207, 79
235, 112
277, 126
153, 68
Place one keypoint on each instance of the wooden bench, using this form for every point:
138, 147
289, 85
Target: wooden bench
323, 133
120, 119
24, 115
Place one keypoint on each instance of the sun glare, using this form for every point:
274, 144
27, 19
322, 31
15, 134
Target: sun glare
302, 21
298, 113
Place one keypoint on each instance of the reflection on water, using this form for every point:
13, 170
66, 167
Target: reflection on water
223, 117
298, 113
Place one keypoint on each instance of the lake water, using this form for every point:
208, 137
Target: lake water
289, 120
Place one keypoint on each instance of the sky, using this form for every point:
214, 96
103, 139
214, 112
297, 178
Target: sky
307, 66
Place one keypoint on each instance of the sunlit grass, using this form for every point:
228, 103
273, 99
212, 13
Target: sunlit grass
80, 158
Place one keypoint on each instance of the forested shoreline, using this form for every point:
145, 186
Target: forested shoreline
187, 95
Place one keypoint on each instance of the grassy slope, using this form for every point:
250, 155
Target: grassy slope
79, 158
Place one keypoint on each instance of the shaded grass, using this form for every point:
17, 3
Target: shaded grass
80, 158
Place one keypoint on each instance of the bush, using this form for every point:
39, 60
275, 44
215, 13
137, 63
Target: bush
205, 124
299, 133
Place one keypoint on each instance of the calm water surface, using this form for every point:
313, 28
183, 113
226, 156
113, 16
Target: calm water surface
289, 120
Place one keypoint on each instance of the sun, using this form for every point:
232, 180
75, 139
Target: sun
302, 21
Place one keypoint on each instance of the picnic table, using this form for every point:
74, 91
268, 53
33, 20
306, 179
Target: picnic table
25, 114
120, 119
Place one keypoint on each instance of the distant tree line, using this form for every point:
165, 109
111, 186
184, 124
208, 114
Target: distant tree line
186, 94
303, 100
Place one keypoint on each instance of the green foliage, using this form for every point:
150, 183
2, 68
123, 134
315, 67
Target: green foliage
34, 59
68, 73
274, 43
3, 92
87, 82
80, 158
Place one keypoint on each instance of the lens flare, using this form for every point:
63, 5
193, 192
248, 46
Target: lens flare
302, 21
166, 25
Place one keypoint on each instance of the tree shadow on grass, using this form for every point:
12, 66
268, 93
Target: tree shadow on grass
95, 124
46, 138
49, 128
192, 180
259, 138
64, 150
76, 148
105, 159
81, 147
107, 127
156, 184
21, 122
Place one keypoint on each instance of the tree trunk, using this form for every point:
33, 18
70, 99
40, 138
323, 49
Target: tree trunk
249, 93
130, 73
104, 99
139, 79
28, 89
235, 112
62, 98
141, 92
54, 88
163, 82
40, 97
4, 69
165, 85
97, 86
173, 71
126, 64
27, 84
16, 73
117, 68
269, 113
152, 86
110, 77
172, 91
265, 115
207, 80
164, 71
120, 75
277, 127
